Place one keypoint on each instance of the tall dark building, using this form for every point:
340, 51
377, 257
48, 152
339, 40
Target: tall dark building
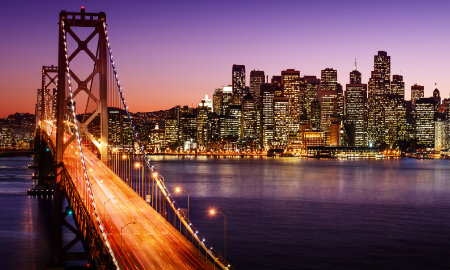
248, 118
257, 78
437, 98
238, 80
355, 77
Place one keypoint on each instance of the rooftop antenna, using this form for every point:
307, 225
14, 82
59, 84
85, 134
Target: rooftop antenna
356, 65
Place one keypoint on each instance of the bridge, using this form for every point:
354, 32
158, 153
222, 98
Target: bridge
89, 155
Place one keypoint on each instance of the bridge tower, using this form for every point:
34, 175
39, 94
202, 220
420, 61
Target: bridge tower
95, 22
69, 23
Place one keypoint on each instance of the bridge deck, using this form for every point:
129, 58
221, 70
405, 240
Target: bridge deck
151, 243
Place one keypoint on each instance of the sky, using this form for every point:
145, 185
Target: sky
174, 52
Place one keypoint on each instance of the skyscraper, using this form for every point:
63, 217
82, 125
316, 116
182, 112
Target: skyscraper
227, 95
281, 116
308, 94
417, 91
424, 114
379, 87
328, 79
248, 118
398, 86
290, 79
217, 101
267, 94
257, 78
238, 79
356, 109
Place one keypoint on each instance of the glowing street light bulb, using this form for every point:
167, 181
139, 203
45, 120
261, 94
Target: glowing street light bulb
177, 190
137, 165
212, 212
124, 156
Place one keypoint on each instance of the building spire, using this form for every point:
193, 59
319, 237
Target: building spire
356, 65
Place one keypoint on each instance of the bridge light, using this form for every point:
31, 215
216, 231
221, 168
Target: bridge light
177, 190
212, 212
124, 156
137, 164
155, 174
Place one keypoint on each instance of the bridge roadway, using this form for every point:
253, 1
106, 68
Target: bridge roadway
151, 243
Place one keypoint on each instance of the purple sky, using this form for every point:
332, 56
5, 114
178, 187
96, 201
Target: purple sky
174, 52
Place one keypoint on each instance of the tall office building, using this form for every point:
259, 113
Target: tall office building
202, 125
395, 119
171, 131
379, 87
355, 77
238, 80
249, 118
276, 81
356, 109
437, 99
267, 94
398, 86
217, 101
290, 79
281, 115
328, 111
257, 78
417, 91
227, 95
328, 79
309, 89
424, 116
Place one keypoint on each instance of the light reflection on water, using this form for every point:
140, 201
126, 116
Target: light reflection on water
284, 213
293, 213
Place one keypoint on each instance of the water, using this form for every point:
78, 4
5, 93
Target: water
284, 213
24, 221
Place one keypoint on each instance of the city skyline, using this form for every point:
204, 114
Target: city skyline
201, 54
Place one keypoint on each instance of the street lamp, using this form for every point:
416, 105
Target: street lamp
212, 212
121, 230
178, 190
104, 206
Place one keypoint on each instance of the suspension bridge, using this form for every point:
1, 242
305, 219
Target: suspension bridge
89, 155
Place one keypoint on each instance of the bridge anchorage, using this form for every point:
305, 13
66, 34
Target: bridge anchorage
89, 152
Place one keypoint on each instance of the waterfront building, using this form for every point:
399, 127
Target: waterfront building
356, 109
379, 87
328, 109
313, 138
202, 125
171, 132
267, 94
424, 120
417, 91
249, 118
309, 88
238, 80
290, 80
395, 119
281, 118
257, 78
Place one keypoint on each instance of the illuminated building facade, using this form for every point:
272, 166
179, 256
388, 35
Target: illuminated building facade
281, 117
267, 94
238, 80
257, 78
290, 79
424, 119
417, 91
356, 109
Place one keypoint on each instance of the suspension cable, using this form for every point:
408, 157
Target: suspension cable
91, 196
